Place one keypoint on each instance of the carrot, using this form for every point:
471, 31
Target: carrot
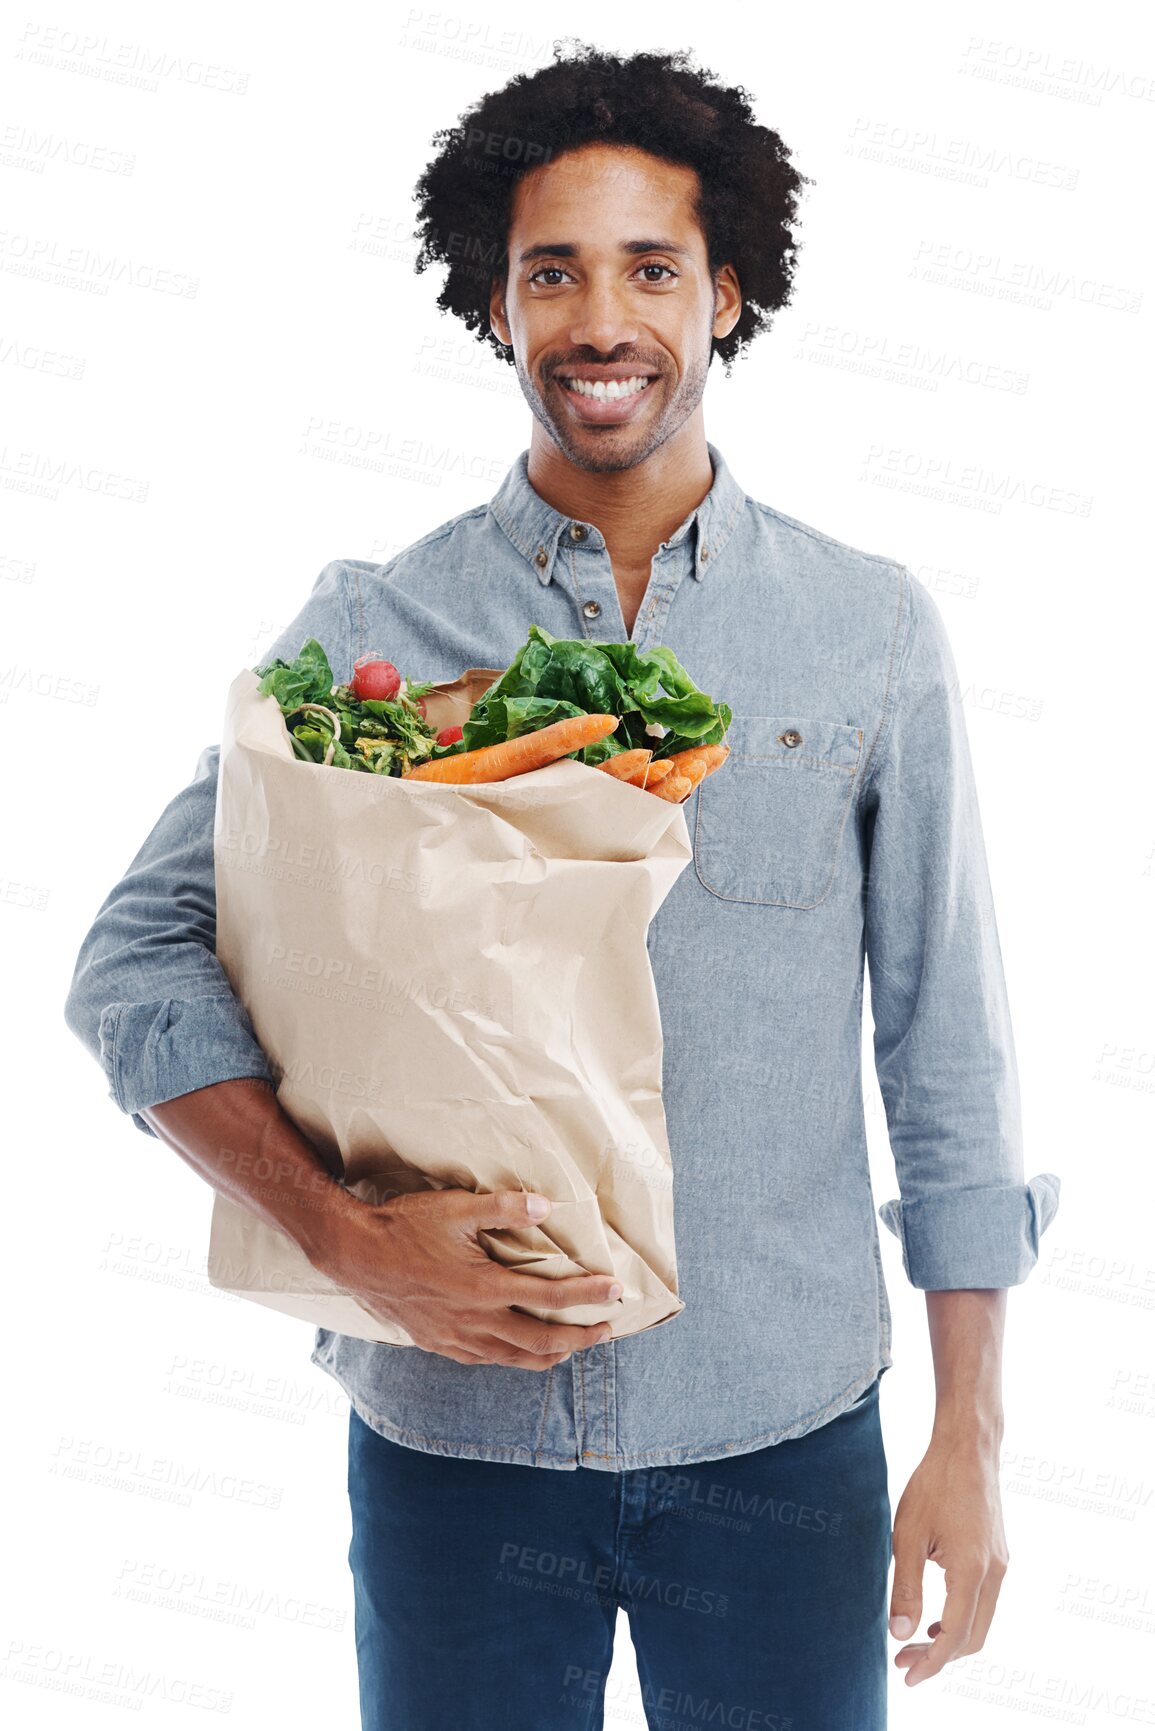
628, 766
659, 770
675, 788
517, 756
687, 769
713, 756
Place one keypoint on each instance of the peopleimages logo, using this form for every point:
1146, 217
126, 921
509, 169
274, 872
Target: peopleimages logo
116, 1683
306, 970
313, 863
523, 1565
217, 1598
329, 1079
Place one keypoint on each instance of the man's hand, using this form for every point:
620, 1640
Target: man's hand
950, 1513
413, 1259
416, 1260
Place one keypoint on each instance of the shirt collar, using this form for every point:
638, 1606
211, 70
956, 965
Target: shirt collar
537, 530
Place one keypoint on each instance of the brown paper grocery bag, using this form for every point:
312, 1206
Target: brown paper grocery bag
453, 989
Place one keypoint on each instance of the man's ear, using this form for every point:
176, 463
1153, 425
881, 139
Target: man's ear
499, 324
727, 301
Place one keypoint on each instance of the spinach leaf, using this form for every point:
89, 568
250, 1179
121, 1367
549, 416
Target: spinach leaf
551, 677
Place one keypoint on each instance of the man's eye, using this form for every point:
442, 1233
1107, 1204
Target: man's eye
555, 270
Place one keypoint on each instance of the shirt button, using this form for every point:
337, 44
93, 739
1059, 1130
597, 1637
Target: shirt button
704, 554
592, 609
578, 531
541, 558
791, 737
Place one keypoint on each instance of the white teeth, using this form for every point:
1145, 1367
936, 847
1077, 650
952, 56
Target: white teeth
607, 391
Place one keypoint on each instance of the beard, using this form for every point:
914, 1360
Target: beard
611, 447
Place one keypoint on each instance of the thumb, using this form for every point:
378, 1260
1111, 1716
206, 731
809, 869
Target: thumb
906, 1593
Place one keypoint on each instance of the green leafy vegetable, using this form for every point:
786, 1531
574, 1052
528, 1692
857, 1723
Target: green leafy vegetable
329, 723
551, 677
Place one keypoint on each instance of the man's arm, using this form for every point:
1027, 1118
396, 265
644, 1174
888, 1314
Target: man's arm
966, 1343
237, 1137
943, 1045
951, 1510
148, 997
967, 1221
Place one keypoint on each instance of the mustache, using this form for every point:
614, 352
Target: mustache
639, 361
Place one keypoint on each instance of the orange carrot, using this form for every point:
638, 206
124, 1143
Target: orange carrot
517, 756
675, 788
659, 770
713, 756
628, 766
687, 769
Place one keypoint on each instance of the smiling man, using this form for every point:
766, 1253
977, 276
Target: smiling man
612, 335
721, 1478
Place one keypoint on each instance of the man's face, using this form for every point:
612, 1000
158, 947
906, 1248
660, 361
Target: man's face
608, 280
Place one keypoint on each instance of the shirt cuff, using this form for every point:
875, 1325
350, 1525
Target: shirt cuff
983, 1237
155, 1052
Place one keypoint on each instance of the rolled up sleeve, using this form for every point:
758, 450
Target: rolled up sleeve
148, 998
943, 1044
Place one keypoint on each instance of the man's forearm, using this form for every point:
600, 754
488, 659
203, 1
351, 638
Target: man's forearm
966, 1338
237, 1137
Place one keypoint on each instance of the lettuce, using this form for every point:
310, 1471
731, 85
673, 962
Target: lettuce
376, 734
553, 677
549, 679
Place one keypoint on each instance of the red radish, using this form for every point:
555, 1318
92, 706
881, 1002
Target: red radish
375, 679
450, 735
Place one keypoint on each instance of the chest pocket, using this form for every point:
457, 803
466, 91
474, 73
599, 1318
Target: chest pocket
769, 821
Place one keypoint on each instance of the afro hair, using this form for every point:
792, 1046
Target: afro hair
749, 189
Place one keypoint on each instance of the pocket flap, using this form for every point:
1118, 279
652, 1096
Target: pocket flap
773, 838
796, 739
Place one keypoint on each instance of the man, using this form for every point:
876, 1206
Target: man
734, 1499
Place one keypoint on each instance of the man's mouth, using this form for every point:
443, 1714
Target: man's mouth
605, 400
607, 390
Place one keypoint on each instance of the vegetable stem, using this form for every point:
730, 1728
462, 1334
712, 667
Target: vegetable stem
335, 721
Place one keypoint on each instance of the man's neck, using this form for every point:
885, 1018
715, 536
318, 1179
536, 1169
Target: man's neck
635, 509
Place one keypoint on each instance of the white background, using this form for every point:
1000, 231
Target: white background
878, 410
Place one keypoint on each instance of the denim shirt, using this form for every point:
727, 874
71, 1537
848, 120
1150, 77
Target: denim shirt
843, 829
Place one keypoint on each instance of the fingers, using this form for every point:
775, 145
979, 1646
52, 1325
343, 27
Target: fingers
906, 1589
966, 1618
469, 1318
508, 1337
513, 1287
497, 1349
988, 1600
529, 1334
964, 1583
472, 1210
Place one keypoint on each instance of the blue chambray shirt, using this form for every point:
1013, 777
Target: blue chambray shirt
844, 829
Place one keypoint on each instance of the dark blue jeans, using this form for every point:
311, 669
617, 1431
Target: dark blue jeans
486, 1595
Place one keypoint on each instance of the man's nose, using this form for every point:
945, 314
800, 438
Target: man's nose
603, 319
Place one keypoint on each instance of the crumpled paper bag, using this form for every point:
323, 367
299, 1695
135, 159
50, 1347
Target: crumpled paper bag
453, 989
